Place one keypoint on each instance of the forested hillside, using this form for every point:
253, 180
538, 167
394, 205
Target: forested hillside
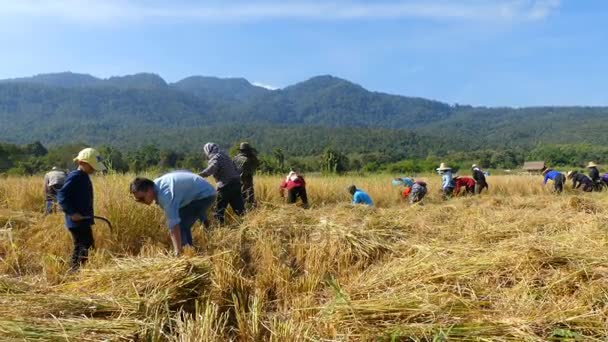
304, 119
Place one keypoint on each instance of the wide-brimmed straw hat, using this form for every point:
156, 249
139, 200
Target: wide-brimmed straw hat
569, 174
591, 164
474, 166
443, 167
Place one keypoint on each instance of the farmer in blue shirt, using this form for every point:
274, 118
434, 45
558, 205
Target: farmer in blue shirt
76, 200
557, 178
359, 196
447, 181
184, 197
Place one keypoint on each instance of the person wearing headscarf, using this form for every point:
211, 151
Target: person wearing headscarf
480, 179
246, 162
295, 185
228, 179
53, 181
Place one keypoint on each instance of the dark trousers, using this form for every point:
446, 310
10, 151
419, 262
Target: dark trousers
82, 236
247, 190
295, 193
188, 215
229, 194
480, 186
558, 183
448, 192
588, 187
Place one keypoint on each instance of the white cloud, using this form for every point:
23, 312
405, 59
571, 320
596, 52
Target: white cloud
212, 11
263, 85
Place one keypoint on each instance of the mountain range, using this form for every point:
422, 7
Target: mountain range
304, 118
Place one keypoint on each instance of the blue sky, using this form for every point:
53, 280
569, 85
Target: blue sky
495, 53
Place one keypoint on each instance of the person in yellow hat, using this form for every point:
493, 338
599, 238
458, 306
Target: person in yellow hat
76, 200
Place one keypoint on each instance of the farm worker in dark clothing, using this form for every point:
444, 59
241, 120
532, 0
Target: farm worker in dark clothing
467, 183
228, 180
360, 196
594, 174
246, 162
447, 183
184, 197
76, 200
480, 179
296, 187
53, 181
579, 179
557, 178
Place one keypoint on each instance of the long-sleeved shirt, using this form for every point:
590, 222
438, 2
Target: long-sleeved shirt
293, 183
467, 182
54, 178
360, 197
76, 197
594, 174
579, 179
176, 190
551, 175
246, 164
446, 180
479, 176
223, 170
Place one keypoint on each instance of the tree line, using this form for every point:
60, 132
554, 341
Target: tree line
35, 158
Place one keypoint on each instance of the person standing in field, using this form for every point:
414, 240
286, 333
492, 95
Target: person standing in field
467, 183
480, 179
76, 200
594, 174
295, 185
579, 179
557, 178
53, 181
246, 162
360, 196
228, 180
447, 182
184, 197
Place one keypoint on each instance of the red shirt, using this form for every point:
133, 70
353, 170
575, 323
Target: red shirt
298, 182
464, 181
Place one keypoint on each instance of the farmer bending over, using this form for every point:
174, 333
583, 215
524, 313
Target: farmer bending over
579, 179
360, 196
296, 188
184, 197
557, 178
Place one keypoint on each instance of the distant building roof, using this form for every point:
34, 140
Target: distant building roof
534, 165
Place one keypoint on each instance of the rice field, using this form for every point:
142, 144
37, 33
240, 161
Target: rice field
515, 264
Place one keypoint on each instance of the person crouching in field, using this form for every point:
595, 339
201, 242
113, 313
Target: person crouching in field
579, 179
557, 178
480, 179
416, 192
228, 180
467, 183
295, 185
360, 196
447, 183
76, 201
184, 197
594, 175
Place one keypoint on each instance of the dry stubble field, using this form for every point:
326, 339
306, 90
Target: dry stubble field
518, 263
